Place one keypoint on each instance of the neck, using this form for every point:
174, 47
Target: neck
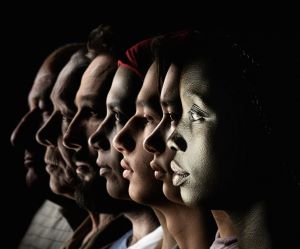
224, 224
168, 240
143, 223
251, 226
98, 222
188, 225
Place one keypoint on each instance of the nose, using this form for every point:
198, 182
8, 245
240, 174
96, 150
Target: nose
176, 142
98, 140
70, 142
72, 138
47, 134
155, 143
124, 141
24, 134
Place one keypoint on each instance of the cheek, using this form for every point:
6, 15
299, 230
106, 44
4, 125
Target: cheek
115, 158
142, 161
201, 150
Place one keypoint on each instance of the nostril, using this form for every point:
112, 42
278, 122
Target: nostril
116, 144
99, 142
71, 146
39, 137
173, 148
104, 144
93, 142
148, 147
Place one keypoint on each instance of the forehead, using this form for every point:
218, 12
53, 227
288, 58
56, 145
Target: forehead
42, 86
196, 83
150, 85
170, 88
193, 79
125, 85
98, 75
68, 80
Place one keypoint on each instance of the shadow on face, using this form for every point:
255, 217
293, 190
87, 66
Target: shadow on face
58, 159
143, 187
120, 106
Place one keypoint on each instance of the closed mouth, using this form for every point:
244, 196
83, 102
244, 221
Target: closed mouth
82, 167
127, 170
159, 173
179, 176
104, 170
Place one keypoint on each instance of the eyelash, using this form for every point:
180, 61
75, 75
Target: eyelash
195, 114
66, 119
148, 119
119, 117
173, 117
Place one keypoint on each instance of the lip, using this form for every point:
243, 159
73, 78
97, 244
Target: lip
50, 168
29, 160
179, 176
104, 170
127, 170
29, 163
159, 173
82, 168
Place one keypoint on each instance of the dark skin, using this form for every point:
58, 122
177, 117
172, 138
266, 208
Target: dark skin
136, 160
193, 219
119, 108
210, 124
156, 143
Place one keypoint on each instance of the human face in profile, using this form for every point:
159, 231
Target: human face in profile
40, 108
143, 186
205, 140
60, 165
90, 101
91, 110
120, 106
156, 142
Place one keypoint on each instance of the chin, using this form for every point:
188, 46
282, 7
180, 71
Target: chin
36, 181
117, 190
59, 189
32, 179
189, 197
172, 194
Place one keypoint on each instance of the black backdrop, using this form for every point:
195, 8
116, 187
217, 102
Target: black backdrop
28, 40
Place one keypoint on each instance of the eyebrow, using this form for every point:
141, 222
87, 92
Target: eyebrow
68, 109
114, 104
141, 103
152, 103
204, 100
90, 97
169, 102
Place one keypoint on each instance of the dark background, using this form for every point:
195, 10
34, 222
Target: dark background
29, 38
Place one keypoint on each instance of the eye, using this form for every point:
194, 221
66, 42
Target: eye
148, 119
46, 115
66, 119
121, 118
94, 113
174, 117
196, 114
117, 116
